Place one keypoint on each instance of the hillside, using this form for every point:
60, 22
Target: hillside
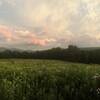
71, 54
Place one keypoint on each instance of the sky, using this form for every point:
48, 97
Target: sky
43, 24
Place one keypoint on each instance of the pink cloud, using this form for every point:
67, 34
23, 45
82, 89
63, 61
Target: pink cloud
6, 32
31, 38
23, 36
41, 42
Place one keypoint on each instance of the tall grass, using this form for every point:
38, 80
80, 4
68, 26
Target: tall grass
48, 80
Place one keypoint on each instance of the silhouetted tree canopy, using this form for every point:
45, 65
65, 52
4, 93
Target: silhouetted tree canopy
72, 54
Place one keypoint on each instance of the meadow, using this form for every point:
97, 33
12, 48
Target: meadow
22, 79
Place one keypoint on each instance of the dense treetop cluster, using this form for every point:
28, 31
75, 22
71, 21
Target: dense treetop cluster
72, 54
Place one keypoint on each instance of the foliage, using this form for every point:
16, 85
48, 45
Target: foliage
48, 80
72, 54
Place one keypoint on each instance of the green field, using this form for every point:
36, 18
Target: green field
48, 80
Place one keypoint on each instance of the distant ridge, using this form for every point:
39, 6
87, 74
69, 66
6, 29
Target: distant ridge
10, 49
90, 48
29, 50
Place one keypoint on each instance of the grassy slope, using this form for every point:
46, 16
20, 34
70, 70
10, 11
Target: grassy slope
48, 80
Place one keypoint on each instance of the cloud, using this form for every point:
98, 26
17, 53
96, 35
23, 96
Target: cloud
50, 22
9, 2
22, 33
31, 38
41, 42
17, 36
6, 32
0, 3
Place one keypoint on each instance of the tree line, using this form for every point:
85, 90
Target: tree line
72, 54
